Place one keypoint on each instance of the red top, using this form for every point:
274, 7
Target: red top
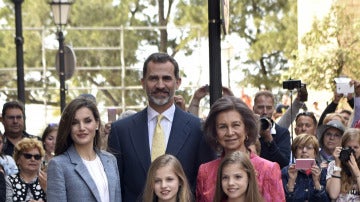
268, 179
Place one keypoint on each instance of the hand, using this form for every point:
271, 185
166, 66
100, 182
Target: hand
201, 92
180, 101
266, 135
315, 173
292, 172
43, 179
227, 91
356, 87
336, 155
353, 166
107, 129
337, 97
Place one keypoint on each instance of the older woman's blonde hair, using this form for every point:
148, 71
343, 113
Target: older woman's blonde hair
27, 144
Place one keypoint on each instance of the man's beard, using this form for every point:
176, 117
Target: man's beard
161, 101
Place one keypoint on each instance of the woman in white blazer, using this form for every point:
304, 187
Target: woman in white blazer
80, 171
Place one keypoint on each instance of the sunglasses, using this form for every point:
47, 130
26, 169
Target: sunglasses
29, 156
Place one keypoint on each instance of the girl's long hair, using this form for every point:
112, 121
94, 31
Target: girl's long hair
184, 193
240, 158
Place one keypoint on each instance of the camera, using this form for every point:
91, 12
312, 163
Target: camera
345, 154
291, 84
265, 123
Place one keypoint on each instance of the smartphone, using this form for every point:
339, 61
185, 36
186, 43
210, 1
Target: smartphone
111, 114
304, 164
343, 86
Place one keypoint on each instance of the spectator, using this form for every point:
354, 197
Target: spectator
166, 181
13, 113
136, 140
305, 122
275, 140
7, 163
232, 126
48, 139
334, 116
329, 136
304, 185
26, 185
289, 116
343, 174
236, 179
80, 171
2, 186
180, 102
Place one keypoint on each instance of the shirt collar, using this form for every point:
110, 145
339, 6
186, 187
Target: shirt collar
168, 114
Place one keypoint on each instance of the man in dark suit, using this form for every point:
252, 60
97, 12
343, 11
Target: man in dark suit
131, 138
275, 140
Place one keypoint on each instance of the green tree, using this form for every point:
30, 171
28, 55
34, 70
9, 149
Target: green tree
331, 49
268, 27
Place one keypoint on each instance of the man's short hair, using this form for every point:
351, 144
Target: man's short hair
161, 58
265, 93
11, 105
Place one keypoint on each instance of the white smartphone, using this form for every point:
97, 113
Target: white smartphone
343, 86
304, 164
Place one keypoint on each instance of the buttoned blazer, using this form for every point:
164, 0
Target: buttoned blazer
129, 141
69, 180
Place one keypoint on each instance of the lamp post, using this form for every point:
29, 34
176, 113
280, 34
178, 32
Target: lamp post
19, 41
228, 53
60, 10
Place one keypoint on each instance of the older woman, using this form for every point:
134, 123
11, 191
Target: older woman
232, 126
80, 171
25, 185
343, 174
306, 184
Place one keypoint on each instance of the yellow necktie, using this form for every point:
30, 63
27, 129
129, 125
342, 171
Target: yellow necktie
158, 142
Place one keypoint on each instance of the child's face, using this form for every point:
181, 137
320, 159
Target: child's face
234, 181
166, 184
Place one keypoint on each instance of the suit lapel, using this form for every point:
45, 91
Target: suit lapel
82, 171
140, 138
110, 174
179, 132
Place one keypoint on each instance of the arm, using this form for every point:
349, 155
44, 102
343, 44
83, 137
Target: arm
273, 186
290, 114
198, 95
9, 190
56, 190
2, 186
278, 149
333, 184
356, 102
321, 195
330, 108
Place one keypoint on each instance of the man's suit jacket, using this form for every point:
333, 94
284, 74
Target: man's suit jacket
69, 180
129, 141
280, 148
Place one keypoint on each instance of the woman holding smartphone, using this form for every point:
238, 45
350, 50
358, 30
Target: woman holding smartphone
304, 183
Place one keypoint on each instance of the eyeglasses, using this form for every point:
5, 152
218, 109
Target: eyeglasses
333, 135
18, 117
306, 147
29, 156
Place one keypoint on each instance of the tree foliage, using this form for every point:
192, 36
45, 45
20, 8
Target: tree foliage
331, 49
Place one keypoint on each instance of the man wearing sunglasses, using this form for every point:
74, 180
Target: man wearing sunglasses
13, 119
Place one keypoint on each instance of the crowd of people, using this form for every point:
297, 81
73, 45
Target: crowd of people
165, 152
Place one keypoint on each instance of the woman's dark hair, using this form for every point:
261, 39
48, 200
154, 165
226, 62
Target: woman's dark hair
63, 139
228, 103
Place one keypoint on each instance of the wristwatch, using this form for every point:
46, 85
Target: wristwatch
337, 168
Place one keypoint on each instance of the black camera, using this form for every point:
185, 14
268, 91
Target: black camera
345, 154
265, 123
291, 84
